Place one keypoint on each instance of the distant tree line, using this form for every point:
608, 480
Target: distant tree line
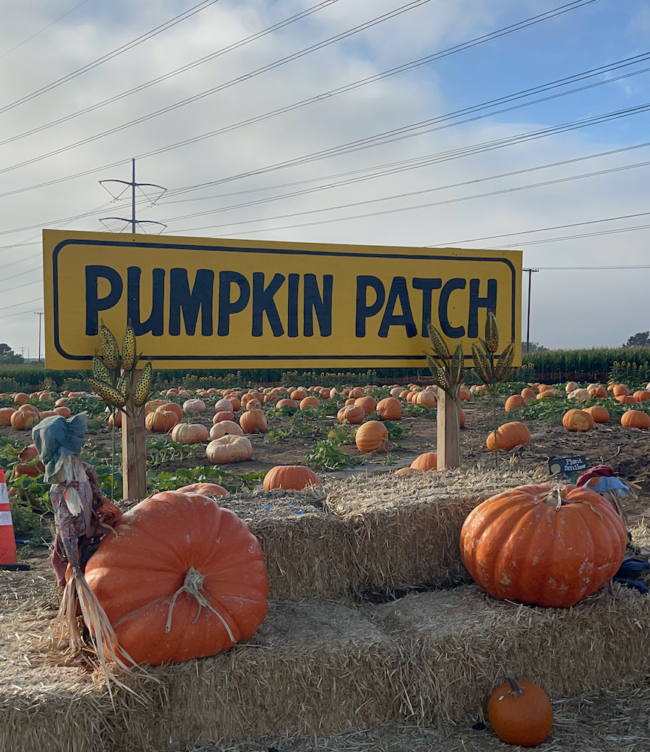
8, 356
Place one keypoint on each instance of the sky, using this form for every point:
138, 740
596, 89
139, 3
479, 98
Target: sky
468, 198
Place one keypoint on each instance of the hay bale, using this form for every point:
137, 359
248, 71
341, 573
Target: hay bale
459, 644
313, 667
406, 529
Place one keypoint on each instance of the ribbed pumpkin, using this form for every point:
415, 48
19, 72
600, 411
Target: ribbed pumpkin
515, 402
642, 395
635, 419
372, 437
357, 392
194, 405
229, 449
578, 420
223, 415
597, 391
160, 422
225, 428
389, 409
627, 399
367, 403
25, 420
354, 414
295, 477
200, 593
426, 399
189, 433
620, 390
171, 407
206, 489
520, 713
528, 393
5, 415
426, 461
253, 421
521, 546
509, 436
599, 413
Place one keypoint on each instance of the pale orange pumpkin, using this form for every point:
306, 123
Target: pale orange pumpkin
189, 433
223, 405
229, 449
194, 405
372, 437
225, 428
571, 387
295, 477
5, 415
426, 399
389, 408
354, 414
223, 415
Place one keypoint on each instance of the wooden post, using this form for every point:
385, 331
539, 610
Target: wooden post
134, 453
448, 437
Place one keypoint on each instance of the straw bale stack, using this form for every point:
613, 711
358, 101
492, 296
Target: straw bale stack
460, 643
406, 529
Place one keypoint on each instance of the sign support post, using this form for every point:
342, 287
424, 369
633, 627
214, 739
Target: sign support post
448, 435
134, 452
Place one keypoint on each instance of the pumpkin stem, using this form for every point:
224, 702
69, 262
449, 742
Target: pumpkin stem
193, 585
515, 688
554, 499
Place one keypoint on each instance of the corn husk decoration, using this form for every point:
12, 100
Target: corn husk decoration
490, 369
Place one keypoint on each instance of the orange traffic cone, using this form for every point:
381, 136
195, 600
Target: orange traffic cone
8, 558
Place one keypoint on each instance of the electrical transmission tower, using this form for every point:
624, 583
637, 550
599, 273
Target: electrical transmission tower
133, 185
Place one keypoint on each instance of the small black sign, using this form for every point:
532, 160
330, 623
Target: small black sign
568, 465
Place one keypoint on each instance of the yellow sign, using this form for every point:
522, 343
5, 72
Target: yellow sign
207, 303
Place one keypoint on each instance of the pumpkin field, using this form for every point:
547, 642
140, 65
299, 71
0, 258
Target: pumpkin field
376, 635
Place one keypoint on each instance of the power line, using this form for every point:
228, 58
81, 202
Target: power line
408, 66
459, 199
577, 237
23, 302
110, 55
590, 268
45, 28
176, 71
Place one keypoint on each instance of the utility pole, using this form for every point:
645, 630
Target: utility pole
40, 322
530, 277
132, 184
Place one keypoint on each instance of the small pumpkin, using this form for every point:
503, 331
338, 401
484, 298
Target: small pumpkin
599, 413
582, 395
528, 393
367, 403
205, 489
509, 436
189, 433
153, 405
515, 402
295, 477
21, 398
159, 422
597, 391
287, 403
464, 394
635, 419
620, 390
225, 428
372, 437
354, 414
115, 419
63, 411
308, 402
206, 597
578, 420
223, 415
643, 395
194, 405
389, 409
627, 399
298, 395
229, 449
253, 421
426, 461
520, 713
571, 387
357, 392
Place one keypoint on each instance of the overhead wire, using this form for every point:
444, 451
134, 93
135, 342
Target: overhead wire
111, 55
399, 69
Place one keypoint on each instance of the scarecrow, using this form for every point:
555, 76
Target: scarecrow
82, 517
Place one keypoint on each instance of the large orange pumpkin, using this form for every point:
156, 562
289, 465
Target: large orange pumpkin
620, 390
352, 413
521, 713
5, 415
200, 593
643, 395
635, 419
367, 403
171, 407
515, 402
308, 402
229, 449
389, 409
253, 421
530, 545
189, 433
25, 420
599, 413
372, 437
509, 436
294, 477
159, 422
426, 461
426, 399
578, 420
